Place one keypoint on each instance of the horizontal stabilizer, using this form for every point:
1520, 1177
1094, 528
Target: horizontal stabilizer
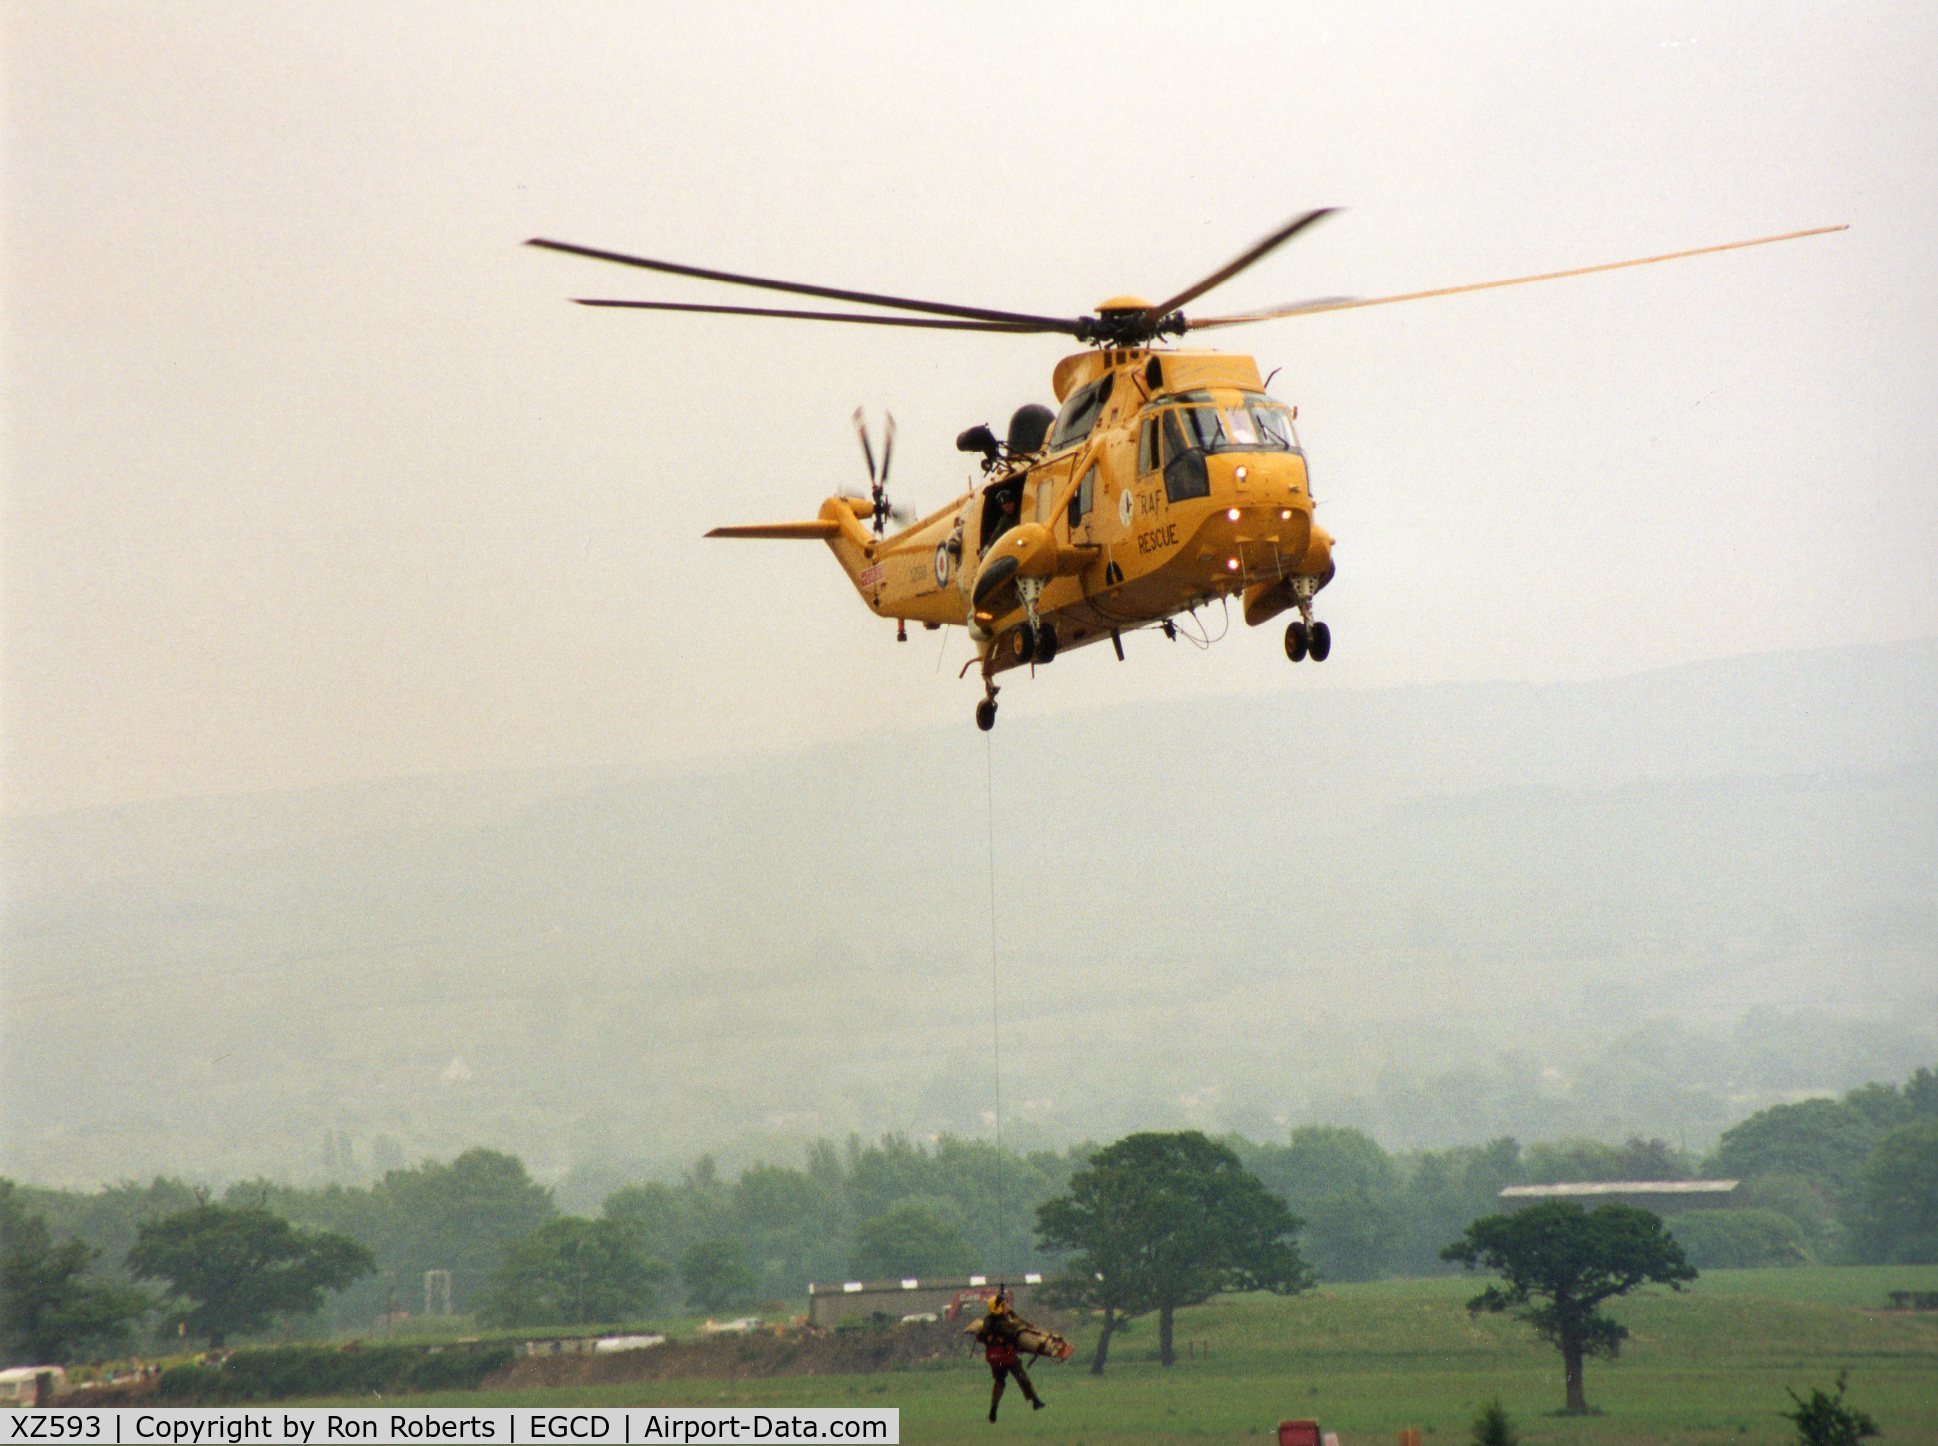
820, 528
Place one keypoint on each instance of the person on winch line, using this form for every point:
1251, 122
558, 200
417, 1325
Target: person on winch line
1001, 1330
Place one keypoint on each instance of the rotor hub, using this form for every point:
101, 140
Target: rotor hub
1126, 321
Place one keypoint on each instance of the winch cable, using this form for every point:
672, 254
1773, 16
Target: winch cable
995, 997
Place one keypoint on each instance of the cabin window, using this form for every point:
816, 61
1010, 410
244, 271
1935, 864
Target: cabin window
1081, 499
1147, 446
1080, 414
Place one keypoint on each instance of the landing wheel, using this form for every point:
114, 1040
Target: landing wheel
1321, 642
1022, 644
1046, 643
986, 714
1296, 641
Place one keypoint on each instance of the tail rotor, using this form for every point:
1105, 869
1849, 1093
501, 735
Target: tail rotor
878, 480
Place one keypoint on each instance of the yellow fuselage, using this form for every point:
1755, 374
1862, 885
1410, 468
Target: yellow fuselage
1114, 541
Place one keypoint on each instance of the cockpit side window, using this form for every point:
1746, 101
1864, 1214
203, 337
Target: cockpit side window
1203, 427
1174, 445
1080, 413
1185, 474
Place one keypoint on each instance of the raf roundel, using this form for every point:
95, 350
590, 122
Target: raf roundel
942, 564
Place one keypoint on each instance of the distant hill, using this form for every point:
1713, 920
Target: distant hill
1227, 913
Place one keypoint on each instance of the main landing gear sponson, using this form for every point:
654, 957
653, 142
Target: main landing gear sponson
1303, 640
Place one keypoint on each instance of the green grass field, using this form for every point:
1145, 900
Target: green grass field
1707, 1366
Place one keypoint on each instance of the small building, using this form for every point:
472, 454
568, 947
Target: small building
1664, 1197
31, 1385
829, 1305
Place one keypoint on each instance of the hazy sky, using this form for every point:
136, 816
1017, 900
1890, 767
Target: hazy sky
311, 472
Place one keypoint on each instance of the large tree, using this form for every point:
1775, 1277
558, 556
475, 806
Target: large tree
462, 1217
51, 1309
669, 1218
789, 1223
914, 1237
1447, 1188
573, 1271
1579, 1159
1159, 1221
717, 1277
1738, 1239
1103, 1274
1560, 1263
239, 1268
1347, 1191
1895, 1214
1822, 1140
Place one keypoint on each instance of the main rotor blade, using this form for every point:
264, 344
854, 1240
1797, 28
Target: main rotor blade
861, 431
861, 318
1225, 273
1309, 308
865, 298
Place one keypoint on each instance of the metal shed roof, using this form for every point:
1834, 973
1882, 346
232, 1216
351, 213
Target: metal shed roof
1619, 1187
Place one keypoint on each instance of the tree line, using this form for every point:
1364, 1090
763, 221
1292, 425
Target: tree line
1849, 1179
1152, 1223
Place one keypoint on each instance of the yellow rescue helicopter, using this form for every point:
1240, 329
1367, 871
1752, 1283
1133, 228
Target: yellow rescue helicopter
1169, 478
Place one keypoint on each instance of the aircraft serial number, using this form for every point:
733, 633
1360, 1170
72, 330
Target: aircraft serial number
1158, 538
50, 1427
